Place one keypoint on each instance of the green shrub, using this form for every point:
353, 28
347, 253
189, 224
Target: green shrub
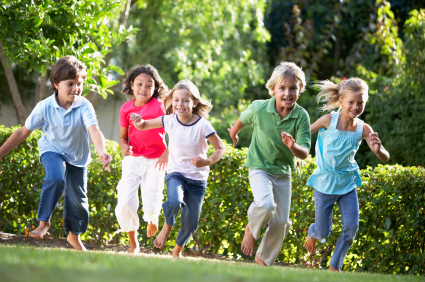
392, 216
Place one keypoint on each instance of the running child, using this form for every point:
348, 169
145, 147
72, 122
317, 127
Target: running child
281, 135
66, 119
336, 176
188, 168
145, 154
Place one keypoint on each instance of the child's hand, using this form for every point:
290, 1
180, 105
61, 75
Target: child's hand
235, 137
200, 162
126, 150
374, 142
288, 140
137, 120
106, 159
162, 162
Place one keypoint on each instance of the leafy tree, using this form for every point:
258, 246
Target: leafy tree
33, 35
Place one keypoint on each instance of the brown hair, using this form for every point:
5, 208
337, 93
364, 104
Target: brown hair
202, 108
331, 92
160, 87
284, 70
68, 67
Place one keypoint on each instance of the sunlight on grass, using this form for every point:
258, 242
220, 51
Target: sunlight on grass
33, 264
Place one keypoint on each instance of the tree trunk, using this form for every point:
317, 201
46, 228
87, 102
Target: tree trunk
20, 108
42, 89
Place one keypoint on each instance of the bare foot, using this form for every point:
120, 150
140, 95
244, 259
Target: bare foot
259, 261
248, 242
152, 229
41, 230
134, 244
177, 252
75, 241
163, 236
310, 245
333, 269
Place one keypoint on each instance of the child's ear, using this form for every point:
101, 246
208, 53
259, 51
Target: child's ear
195, 103
56, 85
131, 83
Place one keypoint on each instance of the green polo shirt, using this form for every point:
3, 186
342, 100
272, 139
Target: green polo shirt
267, 151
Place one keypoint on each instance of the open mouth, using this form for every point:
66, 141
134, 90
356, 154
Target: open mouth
287, 100
180, 110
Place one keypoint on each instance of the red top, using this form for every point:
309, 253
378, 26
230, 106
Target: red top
148, 143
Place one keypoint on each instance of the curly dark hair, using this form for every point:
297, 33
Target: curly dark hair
160, 87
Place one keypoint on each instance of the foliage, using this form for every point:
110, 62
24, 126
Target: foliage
392, 220
35, 34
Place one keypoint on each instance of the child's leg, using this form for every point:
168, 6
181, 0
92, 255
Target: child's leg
53, 186
193, 198
76, 205
322, 227
349, 207
280, 223
128, 200
171, 208
152, 186
261, 210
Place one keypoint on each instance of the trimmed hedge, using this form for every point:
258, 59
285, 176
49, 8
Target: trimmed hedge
392, 217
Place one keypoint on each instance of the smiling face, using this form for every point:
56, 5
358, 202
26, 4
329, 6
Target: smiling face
183, 103
286, 93
352, 104
68, 90
143, 88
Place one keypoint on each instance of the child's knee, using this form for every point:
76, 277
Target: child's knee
174, 205
351, 230
55, 180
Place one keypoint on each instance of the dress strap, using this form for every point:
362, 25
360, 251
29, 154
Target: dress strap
334, 120
359, 129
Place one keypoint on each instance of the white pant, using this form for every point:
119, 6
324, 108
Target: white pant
272, 202
139, 171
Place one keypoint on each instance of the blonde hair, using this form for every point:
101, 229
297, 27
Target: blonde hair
331, 92
284, 70
202, 108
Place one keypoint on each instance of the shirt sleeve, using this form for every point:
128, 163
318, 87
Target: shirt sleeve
166, 122
123, 121
89, 115
36, 119
303, 135
248, 116
208, 129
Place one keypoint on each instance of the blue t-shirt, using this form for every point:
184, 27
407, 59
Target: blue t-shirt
65, 131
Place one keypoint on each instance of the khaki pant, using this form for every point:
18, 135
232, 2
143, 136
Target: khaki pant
272, 202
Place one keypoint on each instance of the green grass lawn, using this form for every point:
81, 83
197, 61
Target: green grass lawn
34, 264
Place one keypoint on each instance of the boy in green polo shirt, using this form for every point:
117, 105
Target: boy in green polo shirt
281, 134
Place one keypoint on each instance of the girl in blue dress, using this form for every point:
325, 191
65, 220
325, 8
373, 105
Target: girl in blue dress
336, 176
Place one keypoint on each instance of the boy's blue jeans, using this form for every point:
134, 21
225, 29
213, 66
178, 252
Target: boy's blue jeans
349, 207
187, 195
61, 176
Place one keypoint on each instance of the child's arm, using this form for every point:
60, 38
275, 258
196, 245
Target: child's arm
126, 149
374, 143
142, 124
99, 143
234, 130
14, 140
298, 150
220, 150
322, 122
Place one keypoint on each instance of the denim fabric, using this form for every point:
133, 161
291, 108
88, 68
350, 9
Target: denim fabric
187, 195
349, 206
60, 177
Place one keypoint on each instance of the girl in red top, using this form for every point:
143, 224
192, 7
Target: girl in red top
145, 154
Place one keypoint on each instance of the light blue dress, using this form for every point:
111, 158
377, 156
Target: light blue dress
337, 170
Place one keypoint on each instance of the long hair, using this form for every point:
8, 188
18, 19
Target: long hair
160, 87
331, 92
202, 108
